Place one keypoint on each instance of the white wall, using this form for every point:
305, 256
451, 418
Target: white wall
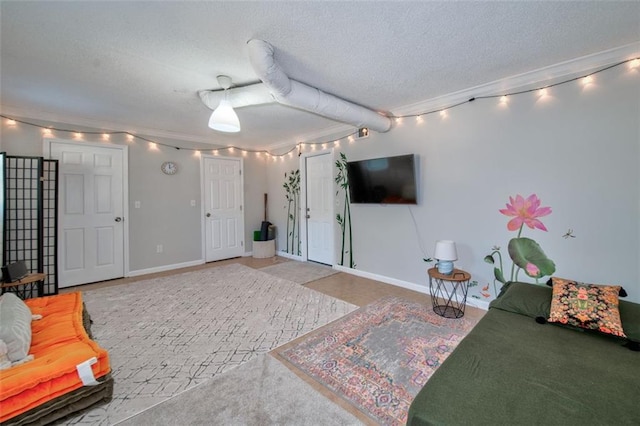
165, 215
578, 149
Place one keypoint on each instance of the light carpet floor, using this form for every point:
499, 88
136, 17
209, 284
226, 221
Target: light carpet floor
259, 392
299, 272
169, 334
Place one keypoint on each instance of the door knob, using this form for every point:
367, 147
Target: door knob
308, 216
118, 219
208, 214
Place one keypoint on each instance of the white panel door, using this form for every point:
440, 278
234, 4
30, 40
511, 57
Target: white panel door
224, 218
319, 189
91, 202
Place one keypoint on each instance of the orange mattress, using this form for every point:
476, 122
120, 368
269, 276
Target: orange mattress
59, 343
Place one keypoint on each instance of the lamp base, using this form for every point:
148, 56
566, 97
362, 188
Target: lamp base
445, 267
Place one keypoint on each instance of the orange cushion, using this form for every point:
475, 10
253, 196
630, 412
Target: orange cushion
59, 343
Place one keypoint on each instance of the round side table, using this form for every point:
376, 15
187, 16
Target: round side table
449, 292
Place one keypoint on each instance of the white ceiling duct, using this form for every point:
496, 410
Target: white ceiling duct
299, 95
254, 94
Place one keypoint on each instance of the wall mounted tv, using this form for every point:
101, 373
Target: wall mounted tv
387, 180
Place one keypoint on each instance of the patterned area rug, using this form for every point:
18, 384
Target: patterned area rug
299, 272
379, 357
169, 334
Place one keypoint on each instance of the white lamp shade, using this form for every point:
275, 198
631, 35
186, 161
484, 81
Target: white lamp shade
224, 118
445, 250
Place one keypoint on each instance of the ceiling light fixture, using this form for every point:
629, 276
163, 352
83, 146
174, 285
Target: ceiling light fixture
224, 118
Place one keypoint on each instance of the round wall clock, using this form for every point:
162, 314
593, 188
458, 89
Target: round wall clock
169, 168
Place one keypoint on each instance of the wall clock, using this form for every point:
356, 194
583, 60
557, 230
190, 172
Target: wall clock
169, 168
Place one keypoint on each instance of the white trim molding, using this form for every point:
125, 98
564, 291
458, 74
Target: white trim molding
420, 288
546, 75
165, 268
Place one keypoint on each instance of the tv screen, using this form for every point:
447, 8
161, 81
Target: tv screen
388, 180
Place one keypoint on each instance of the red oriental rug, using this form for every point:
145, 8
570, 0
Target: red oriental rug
378, 357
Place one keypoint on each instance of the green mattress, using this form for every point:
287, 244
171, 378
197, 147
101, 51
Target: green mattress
511, 370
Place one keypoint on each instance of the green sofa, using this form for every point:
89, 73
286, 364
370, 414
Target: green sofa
512, 369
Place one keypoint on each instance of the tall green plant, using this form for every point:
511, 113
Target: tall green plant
344, 220
292, 193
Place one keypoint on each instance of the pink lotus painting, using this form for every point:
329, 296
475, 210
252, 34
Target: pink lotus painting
525, 253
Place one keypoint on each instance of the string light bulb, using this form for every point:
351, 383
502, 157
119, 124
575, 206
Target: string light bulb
11, 122
419, 119
587, 80
634, 63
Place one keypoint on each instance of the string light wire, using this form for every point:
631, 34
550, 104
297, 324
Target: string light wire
519, 92
299, 146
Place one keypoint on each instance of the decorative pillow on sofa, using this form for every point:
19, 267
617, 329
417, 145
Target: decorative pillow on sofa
588, 306
15, 326
621, 293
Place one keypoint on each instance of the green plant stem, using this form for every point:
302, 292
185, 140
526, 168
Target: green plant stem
343, 226
293, 230
346, 192
513, 265
495, 289
288, 220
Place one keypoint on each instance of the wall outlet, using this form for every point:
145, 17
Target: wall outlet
159, 248
193, 203
136, 205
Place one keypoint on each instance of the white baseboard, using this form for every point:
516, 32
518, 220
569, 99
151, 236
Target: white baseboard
164, 268
289, 256
481, 304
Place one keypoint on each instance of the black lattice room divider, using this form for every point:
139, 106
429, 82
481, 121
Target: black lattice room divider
30, 216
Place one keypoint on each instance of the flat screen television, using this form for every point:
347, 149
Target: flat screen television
387, 180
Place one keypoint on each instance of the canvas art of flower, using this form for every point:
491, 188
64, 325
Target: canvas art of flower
526, 254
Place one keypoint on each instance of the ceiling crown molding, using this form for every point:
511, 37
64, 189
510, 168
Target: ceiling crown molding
566, 69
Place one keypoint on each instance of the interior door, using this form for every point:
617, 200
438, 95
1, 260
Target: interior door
223, 199
91, 206
319, 190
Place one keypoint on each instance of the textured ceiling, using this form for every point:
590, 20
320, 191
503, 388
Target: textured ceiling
138, 66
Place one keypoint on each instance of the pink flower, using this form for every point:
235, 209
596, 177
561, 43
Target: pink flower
532, 270
525, 211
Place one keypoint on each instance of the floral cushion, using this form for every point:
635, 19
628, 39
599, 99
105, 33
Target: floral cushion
589, 306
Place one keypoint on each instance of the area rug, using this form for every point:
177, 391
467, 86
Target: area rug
168, 334
378, 357
299, 272
259, 392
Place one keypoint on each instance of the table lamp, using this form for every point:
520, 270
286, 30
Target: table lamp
445, 254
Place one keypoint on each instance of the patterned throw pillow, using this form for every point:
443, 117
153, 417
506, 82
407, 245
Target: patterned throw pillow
589, 306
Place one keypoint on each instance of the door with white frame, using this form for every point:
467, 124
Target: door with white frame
222, 184
319, 197
92, 184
